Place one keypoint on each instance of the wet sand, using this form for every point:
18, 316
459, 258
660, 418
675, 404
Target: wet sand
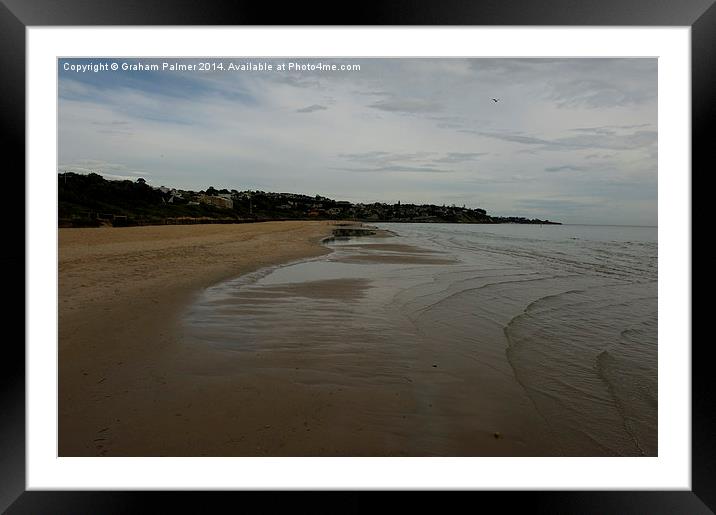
401, 259
327, 345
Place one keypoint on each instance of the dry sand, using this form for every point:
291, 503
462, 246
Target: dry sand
123, 388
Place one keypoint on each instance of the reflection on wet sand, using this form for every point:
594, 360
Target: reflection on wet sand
406, 259
423, 347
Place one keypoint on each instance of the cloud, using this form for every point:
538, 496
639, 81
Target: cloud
610, 141
398, 168
379, 156
107, 170
593, 93
372, 93
111, 122
609, 129
311, 108
410, 161
514, 138
552, 204
418, 162
565, 168
116, 131
576, 83
114, 127
460, 157
297, 81
638, 139
405, 105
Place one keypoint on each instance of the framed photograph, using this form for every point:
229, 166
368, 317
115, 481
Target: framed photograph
443, 248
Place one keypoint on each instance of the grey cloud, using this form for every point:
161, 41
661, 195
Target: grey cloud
103, 168
365, 156
407, 106
596, 130
460, 157
372, 93
594, 93
398, 168
297, 80
550, 204
114, 127
111, 122
609, 129
565, 168
311, 108
116, 131
385, 157
575, 83
456, 122
637, 139
514, 138
427, 160
449, 119
449, 125
422, 162
632, 141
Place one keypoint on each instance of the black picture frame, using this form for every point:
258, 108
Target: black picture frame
17, 15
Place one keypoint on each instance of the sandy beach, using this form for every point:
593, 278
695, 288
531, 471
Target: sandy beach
265, 340
126, 385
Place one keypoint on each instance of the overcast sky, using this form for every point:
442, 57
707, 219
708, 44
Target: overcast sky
573, 140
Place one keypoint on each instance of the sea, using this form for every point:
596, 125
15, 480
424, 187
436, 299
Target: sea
543, 334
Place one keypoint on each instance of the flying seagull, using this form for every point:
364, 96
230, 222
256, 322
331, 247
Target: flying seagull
495, 99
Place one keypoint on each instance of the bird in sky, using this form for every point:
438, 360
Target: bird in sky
495, 100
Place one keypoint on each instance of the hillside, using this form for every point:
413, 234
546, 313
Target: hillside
91, 200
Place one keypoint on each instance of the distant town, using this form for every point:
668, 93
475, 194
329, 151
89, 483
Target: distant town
90, 200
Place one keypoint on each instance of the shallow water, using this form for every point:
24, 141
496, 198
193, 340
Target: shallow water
543, 336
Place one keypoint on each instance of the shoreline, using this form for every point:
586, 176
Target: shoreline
120, 358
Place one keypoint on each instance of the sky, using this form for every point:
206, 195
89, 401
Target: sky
570, 140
